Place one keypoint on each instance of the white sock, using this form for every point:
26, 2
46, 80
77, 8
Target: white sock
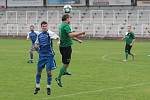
48, 86
37, 85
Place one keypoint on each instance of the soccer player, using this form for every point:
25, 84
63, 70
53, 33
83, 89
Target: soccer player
129, 38
66, 36
46, 57
32, 35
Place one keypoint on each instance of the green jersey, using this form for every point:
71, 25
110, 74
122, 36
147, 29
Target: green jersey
129, 37
65, 39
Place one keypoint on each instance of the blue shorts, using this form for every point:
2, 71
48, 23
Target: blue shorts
48, 61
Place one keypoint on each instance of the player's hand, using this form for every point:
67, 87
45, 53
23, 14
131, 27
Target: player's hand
36, 46
122, 38
83, 33
80, 41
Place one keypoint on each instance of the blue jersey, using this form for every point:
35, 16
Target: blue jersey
32, 36
44, 42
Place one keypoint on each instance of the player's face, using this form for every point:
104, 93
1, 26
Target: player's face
44, 27
68, 20
32, 28
129, 28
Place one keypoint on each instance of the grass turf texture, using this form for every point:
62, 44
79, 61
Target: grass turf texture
98, 72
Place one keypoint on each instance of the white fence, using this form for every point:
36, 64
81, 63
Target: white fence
96, 23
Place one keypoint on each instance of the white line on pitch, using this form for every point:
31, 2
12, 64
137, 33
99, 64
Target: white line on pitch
100, 90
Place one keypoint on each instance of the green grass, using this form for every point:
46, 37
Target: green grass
97, 67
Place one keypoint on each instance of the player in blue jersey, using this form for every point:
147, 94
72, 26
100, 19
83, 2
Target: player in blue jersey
46, 57
32, 35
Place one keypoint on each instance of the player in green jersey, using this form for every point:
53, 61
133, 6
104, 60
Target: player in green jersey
66, 36
129, 38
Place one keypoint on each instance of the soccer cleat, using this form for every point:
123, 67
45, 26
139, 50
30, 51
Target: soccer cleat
36, 90
48, 91
67, 73
58, 82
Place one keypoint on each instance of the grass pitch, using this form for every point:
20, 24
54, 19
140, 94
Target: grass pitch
97, 67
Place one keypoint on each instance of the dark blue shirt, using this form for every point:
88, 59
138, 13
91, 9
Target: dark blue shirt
44, 42
32, 35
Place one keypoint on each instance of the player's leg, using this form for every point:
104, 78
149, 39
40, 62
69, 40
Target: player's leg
61, 73
58, 79
49, 79
126, 52
31, 55
62, 69
40, 66
67, 61
66, 57
129, 52
50, 65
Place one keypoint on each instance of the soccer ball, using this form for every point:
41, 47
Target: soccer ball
67, 8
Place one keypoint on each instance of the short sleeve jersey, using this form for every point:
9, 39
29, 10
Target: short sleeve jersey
44, 42
65, 39
32, 36
129, 37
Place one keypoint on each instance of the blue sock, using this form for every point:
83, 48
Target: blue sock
31, 55
38, 77
49, 79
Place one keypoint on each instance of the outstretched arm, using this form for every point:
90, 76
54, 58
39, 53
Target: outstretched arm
27, 36
77, 39
132, 42
74, 34
123, 38
53, 35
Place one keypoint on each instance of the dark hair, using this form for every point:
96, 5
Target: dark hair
64, 17
43, 22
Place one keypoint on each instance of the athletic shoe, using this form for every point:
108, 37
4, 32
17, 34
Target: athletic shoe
36, 90
58, 82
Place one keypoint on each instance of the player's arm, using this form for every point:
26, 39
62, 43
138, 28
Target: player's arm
77, 39
28, 37
132, 42
53, 35
36, 45
74, 34
133, 39
123, 36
